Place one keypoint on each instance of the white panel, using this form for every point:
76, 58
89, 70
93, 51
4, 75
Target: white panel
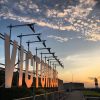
27, 80
21, 67
47, 81
42, 74
9, 63
51, 79
37, 60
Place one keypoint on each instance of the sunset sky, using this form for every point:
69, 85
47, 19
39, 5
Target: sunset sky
71, 28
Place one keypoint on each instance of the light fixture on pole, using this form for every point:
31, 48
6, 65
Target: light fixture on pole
31, 25
28, 43
41, 49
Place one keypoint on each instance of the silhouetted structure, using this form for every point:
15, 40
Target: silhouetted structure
95, 81
73, 86
60, 84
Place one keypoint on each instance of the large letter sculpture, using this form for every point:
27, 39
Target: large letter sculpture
51, 79
42, 73
27, 80
37, 60
21, 67
9, 63
56, 78
47, 80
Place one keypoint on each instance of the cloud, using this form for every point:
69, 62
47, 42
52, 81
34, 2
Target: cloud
58, 38
89, 59
75, 15
93, 37
72, 57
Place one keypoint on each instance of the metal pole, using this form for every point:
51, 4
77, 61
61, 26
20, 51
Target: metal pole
48, 62
33, 81
36, 51
28, 44
10, 30
20, 39
71, 75
41, 56
45, 85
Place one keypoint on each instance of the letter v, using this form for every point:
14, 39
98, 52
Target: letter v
9, 63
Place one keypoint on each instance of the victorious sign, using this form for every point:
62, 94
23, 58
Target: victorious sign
48, 75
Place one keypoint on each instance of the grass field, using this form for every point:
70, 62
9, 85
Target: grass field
91, 93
